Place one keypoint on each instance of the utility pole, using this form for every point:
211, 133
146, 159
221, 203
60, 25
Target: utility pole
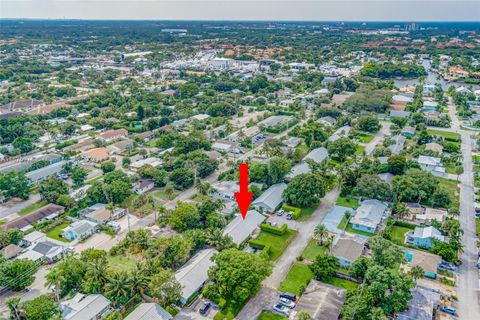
128, 220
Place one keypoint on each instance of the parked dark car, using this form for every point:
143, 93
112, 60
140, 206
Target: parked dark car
205, 308
289, 296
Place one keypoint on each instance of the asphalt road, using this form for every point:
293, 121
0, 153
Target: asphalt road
266, 297
468, 280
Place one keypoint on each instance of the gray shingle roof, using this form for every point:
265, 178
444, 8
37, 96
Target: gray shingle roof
272, 197
369, 213
83, 307
318, 155
195, 272
149, 311
240, 229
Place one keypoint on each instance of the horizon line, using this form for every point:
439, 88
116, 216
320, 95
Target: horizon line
240, 20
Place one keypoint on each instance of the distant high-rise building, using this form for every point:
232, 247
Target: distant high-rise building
412, 27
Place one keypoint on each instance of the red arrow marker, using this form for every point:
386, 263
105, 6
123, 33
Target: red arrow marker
244, 197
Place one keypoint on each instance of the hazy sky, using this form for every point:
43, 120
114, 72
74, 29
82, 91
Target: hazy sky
357, 10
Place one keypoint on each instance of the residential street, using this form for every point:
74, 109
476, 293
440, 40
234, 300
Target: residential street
266, 297
468, 280
378, 137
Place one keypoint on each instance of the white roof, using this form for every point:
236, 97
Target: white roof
195, 272
82, 307
86, 127
149, 311
430, 161
240, 229
428, 232
200, 117
402, 98
34, 236
154, 162
222, 145
30, 255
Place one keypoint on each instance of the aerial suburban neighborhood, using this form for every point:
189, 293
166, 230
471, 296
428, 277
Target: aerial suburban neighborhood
120, 149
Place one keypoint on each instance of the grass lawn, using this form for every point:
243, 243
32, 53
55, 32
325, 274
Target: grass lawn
364, 137
453, 136
477, 225
476, 158
359, 150
351, 230
299, 276
453, 189
121, 263
2, 222
230, 310
306, 213
57, 231
398, 234
268, 315
453, 169
278, 243
160, 194
342, 283
343, 223
312, 250
347, 202
32, 208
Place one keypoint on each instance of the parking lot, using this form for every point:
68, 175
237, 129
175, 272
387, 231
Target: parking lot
275, 219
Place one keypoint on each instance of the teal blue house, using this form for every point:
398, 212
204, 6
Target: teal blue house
347, 250
424, 237
80, 230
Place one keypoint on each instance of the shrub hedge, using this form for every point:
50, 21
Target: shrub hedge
274, 230
296, 212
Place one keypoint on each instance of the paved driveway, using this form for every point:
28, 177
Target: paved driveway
306, 228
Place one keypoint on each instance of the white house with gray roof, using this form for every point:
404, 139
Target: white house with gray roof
239, 229
85, 307
81, 229
271, 199
149, 311
194, 274
432, 165
41, 174
369, 215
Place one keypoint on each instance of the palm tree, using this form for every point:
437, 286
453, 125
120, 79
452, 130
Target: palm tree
96, 275
139, 280
13, 304
215, 238
416, 273
119, 285
204, 188
320, 233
